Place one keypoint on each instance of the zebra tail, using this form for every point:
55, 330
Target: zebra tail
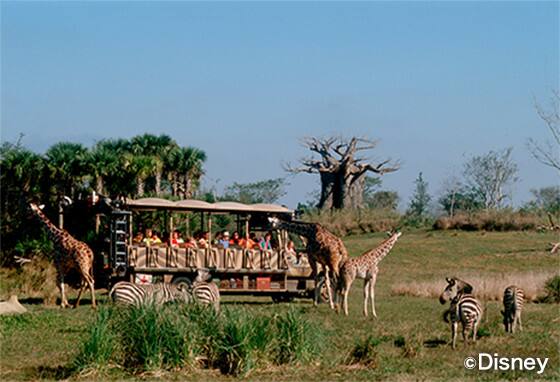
446, 315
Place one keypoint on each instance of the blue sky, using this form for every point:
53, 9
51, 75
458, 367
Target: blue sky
436, 82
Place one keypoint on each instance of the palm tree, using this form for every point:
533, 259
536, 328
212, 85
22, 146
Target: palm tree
156, 147
67, 164
190, 169
105, 161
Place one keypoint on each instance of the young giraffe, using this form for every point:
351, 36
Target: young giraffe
322, 247
70, 255
364, 267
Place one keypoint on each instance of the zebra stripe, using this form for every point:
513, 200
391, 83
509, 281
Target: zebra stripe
514, 298
158, 294
465, 309
207, 293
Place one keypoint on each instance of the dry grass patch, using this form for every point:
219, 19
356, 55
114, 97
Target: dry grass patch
487, 287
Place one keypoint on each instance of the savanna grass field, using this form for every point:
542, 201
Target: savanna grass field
256, 339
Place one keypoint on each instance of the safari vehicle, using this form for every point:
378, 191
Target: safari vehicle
237, 271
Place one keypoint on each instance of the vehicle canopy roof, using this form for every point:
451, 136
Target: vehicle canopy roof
186, 205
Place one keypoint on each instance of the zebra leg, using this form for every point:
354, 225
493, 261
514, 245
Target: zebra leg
366, 295
519, 320
453, 333
475, 329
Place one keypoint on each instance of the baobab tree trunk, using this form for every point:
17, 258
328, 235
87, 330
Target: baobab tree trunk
342, 173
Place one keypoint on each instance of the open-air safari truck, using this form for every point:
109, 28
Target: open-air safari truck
237, 271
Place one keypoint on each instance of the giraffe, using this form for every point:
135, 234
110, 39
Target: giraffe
364, 267
70, 255
322, 247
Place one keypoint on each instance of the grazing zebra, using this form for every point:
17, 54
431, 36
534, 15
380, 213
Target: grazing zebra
513, 305
142, 294
205, 292
464, 308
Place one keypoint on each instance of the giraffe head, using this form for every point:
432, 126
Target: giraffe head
454, 287
36, 209
274, 222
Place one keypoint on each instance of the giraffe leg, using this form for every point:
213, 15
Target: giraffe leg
347, 284
366, 295
328, 285
63, 301
92, 290
82, 287
372, 294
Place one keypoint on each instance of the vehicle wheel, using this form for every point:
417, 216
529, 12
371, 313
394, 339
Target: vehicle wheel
182, 281
282, 298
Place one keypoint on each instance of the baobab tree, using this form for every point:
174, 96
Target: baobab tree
342, 171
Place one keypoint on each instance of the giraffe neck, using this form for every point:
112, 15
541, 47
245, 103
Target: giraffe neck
383, 249
307, 230
54, 232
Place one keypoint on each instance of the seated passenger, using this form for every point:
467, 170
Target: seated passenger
150, 238
247, 243
223, 241
138, 238
265, 243
235, 239
203, 239
175, 240
292, 256
155, 238
191, 243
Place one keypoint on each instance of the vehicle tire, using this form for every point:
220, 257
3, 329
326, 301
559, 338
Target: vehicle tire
282, 298
182, 281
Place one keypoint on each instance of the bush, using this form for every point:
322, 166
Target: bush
365, 352
350, 222
552, 288
504, 220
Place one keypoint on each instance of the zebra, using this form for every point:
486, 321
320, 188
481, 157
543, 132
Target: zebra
128, 293
464, 308
204, 291
513, 305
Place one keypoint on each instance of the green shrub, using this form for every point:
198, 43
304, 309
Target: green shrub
365, 352
552, 288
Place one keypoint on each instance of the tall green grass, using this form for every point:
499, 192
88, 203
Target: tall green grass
152, 338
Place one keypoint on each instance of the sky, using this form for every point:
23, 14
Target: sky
434, 82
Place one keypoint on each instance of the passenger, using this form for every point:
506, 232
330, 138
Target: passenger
203, 239
235, 239
265, 243
138, 238
175, 240
191, 243
223, 241
149, 238
155, 238
291, 254
247, 243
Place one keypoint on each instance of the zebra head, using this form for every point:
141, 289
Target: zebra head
202, 275
454, 287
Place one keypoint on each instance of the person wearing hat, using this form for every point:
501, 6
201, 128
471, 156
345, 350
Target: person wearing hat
224, 240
